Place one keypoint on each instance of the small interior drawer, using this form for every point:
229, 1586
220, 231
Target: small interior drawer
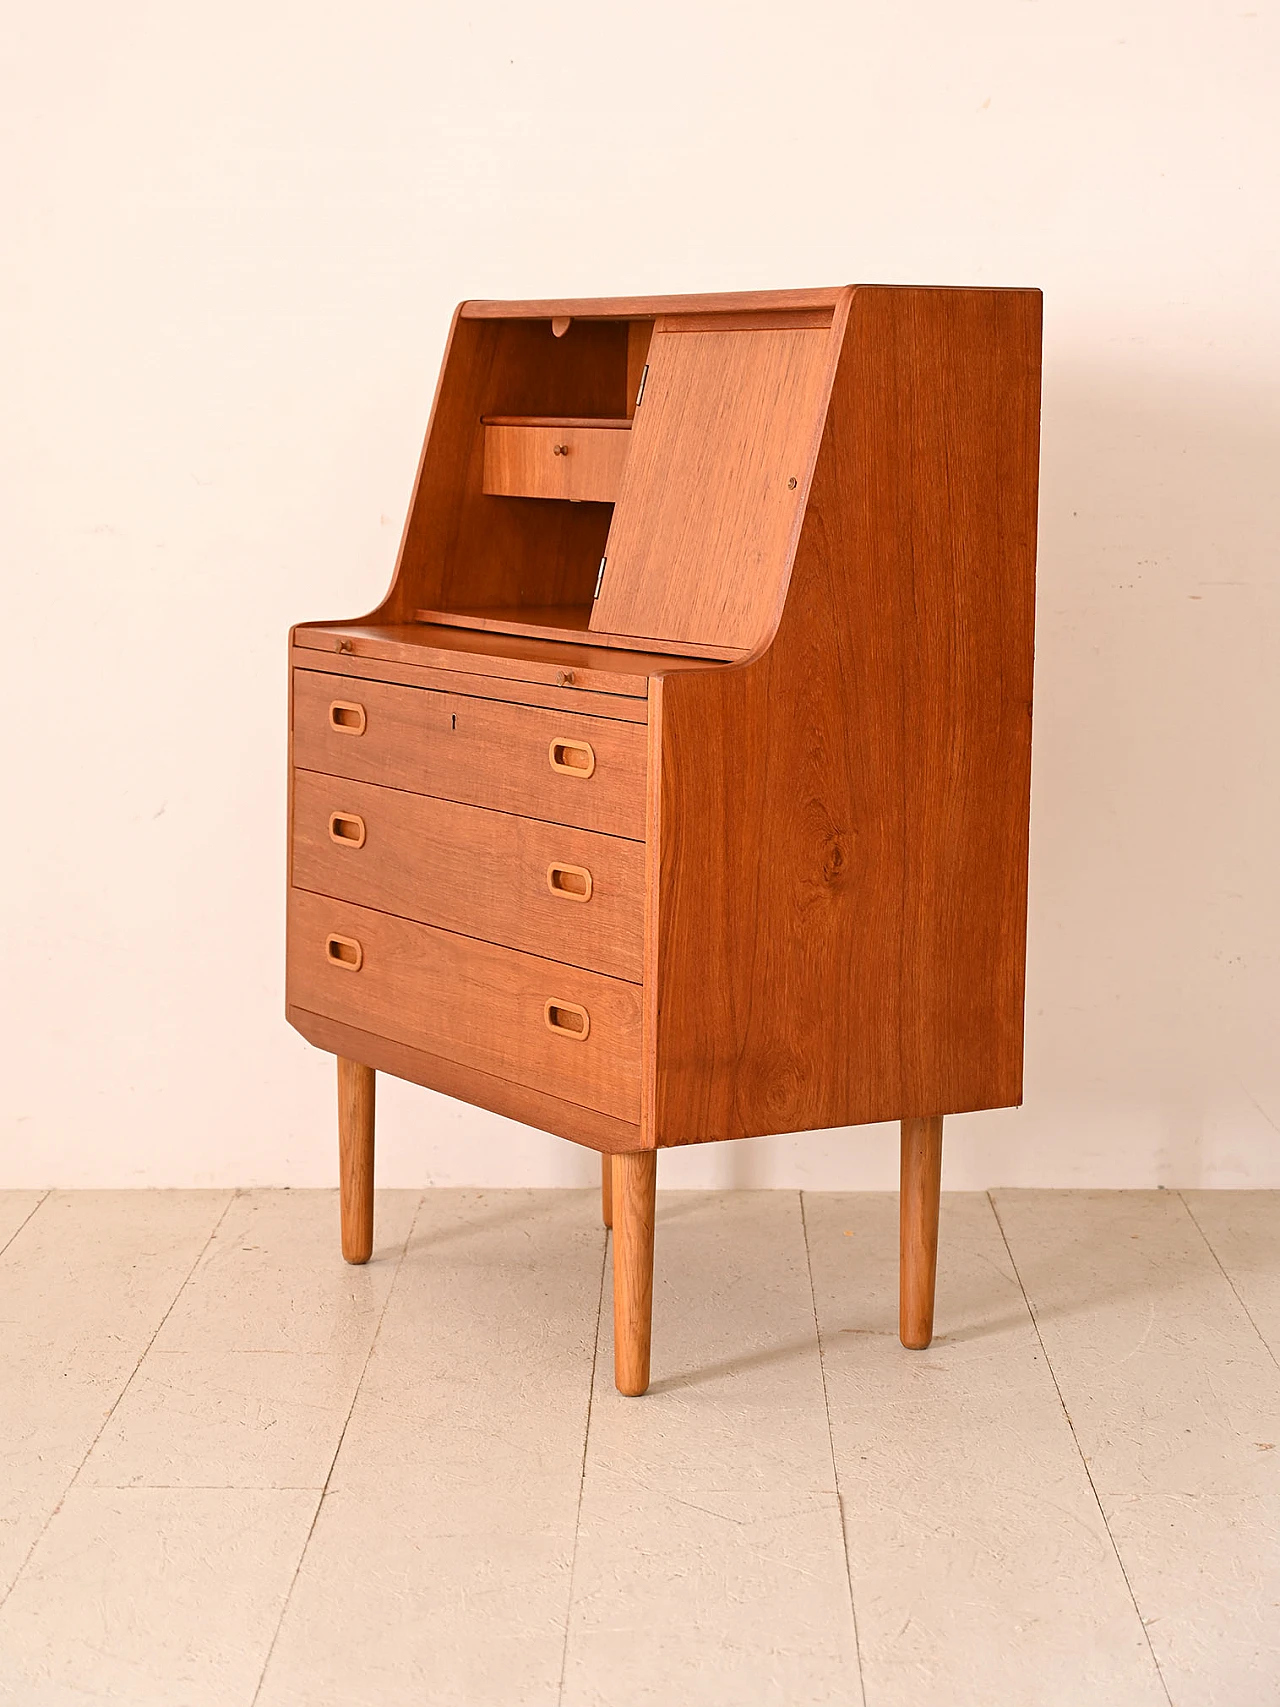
560, 1029
567, 894
582, 463
563, 767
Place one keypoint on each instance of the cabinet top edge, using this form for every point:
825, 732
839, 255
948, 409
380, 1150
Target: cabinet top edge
627, 307
624, 307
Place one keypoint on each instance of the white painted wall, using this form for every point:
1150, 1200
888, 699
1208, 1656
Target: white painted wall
232, 239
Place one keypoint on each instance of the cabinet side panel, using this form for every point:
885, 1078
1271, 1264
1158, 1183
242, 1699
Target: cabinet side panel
842, 874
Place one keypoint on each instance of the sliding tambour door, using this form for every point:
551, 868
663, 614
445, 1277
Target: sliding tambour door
714, 485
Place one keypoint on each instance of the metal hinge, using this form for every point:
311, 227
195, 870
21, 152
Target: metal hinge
643, 377
599, 579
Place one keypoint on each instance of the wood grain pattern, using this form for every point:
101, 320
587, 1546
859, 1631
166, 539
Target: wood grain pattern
580, 464
757, 320
841, 889
635, 1180
714, 486
472, 871
355, 1158
918, 1224
479, 1004
481, 752
585, 1126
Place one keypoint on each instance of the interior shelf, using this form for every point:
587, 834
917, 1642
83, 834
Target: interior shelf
618, 423
565, 622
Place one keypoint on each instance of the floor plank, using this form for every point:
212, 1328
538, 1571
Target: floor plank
477, 1542
710, 1564
1206, 1571
712, 1598
273, 1279
250, 1381
84, 1286
446, 1534
16, 1209
154, 1598
1175, 1401
982, 1568
1168, 1384
1243, 1231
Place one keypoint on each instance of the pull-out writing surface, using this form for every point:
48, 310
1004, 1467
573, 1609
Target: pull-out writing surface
714, 483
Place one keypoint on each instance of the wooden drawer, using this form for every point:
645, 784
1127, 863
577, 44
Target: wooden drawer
469, 1001
565, 768
583, 463
571, 895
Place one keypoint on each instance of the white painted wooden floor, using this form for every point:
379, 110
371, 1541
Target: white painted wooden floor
236, 1471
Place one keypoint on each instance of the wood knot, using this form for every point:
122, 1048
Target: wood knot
834, 863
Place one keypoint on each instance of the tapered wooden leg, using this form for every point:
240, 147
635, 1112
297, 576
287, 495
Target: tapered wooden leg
635, 1178
606, 1190
355, 1158
918, 1249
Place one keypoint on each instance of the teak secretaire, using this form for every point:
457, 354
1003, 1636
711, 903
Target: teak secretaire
678, 788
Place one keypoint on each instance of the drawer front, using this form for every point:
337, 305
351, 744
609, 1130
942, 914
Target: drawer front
584, 463
567, 894
571, 1033
567, 769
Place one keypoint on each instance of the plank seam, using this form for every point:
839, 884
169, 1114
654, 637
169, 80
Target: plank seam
115, 1405
25, 1219
1053, 1375
831, 1446
1231, 1283
582, 1474
346, 1423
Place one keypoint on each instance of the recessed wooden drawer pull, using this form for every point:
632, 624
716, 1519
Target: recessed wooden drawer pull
344, 951
346, 718
567, 1019
347, 829
574, 758
570, 882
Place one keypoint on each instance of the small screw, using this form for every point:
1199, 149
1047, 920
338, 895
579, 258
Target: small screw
791, 484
